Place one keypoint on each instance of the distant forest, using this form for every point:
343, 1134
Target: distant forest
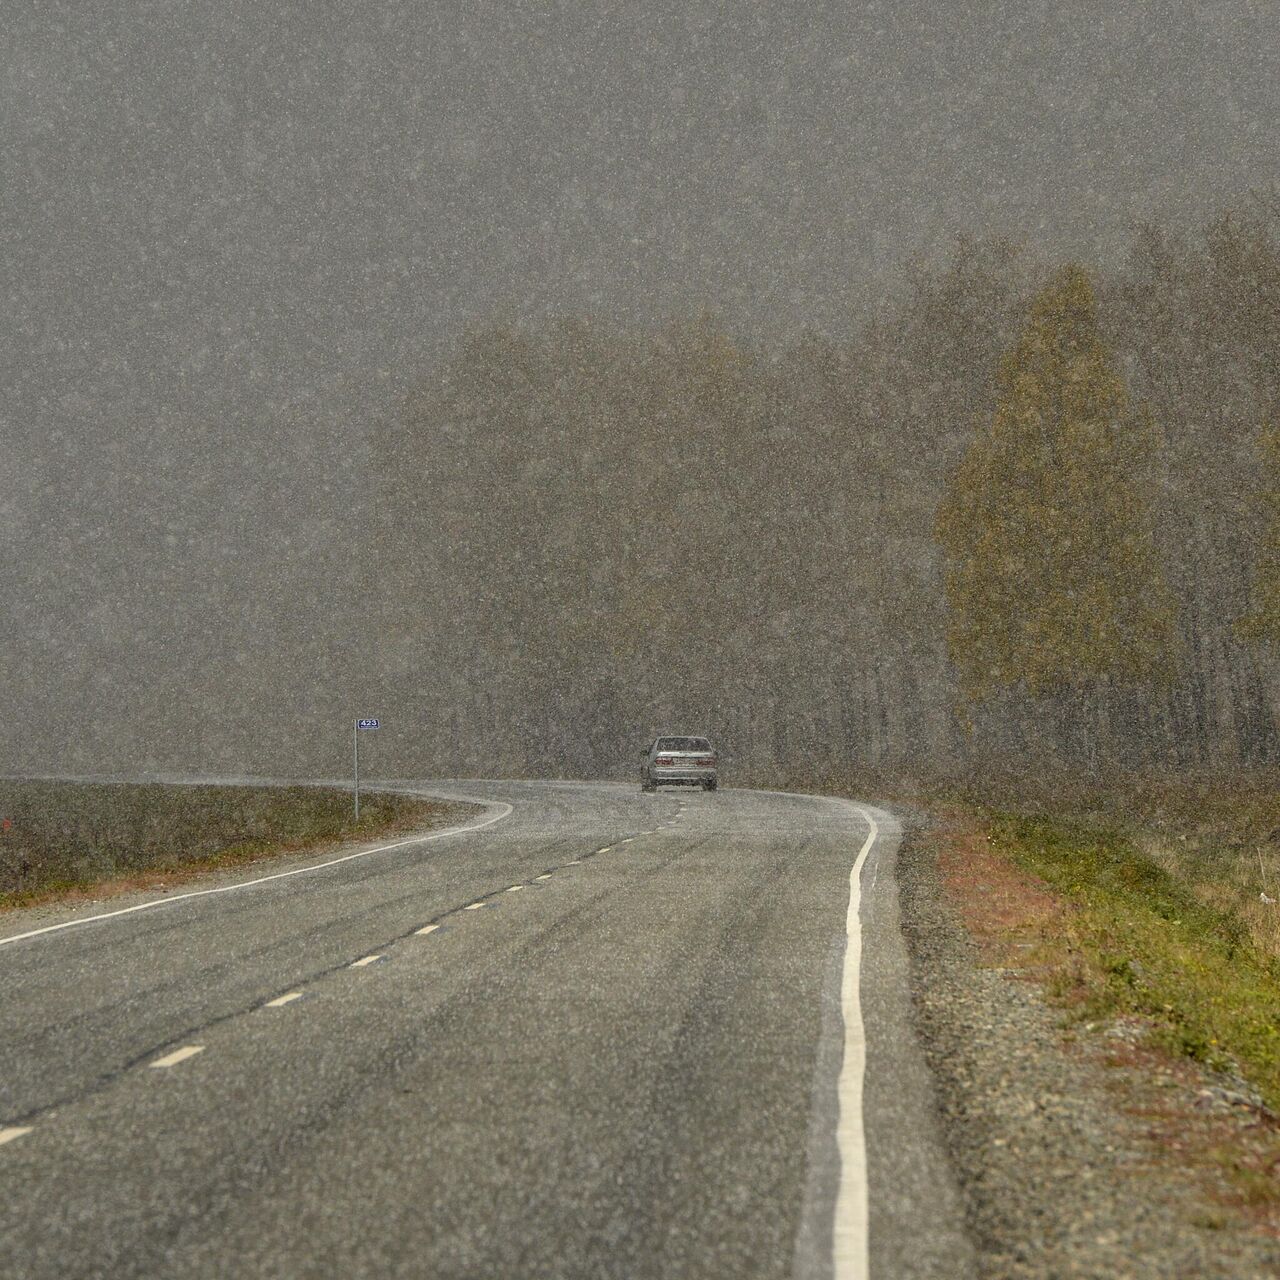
1029, 516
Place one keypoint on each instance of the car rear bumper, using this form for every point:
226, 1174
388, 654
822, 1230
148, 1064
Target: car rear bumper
682, 777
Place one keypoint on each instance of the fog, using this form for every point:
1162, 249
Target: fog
243, 245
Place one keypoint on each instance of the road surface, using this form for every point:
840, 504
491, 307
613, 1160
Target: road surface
605, 1034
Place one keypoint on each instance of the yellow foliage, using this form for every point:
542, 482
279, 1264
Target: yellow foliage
1052, 579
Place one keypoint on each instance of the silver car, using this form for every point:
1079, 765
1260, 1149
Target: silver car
682, 762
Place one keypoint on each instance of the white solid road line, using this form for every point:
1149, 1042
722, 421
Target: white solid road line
13, 1131
364, 960
283, 1000
505, 808
427, 928
850, 1255
178, 1055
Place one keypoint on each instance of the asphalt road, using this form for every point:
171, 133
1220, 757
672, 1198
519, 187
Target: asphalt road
639, 1055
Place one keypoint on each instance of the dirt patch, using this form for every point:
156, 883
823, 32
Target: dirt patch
1213, 1129
1003, 907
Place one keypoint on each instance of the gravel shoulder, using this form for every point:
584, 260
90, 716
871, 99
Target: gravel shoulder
1078, 1154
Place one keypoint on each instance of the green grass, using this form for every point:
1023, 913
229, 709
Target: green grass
59, 838
1147, 943
1219, 835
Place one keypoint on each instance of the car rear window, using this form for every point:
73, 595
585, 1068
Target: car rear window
683, 744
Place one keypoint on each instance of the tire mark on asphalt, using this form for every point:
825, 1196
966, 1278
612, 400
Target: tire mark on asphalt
106, 1079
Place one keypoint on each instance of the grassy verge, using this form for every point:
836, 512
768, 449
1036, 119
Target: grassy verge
1141, 942
66, 840
1157, 985
1170, 889
1219, 837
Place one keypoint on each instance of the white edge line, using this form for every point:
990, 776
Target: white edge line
849, 1253
178, 1055
364, 960
12, 1132
426, 928
279, 1001
170, 899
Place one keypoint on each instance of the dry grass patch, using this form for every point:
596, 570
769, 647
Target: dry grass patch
69, 841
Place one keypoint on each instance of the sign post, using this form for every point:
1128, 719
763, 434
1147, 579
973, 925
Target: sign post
355, 750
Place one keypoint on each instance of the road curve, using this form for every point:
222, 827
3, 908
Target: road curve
607, 1034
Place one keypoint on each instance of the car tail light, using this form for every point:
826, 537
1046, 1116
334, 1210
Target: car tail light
707, 762
663, 761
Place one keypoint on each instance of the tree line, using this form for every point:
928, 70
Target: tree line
1030, 513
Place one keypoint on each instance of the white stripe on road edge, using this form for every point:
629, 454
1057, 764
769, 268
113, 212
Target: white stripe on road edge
543, 877
427, 928
283, 1000
515, 888
473, 906
279, 875
12, 1132
850, 1257
179, 1055
364, 960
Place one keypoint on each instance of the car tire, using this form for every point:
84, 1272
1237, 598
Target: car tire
647, 785
710, 784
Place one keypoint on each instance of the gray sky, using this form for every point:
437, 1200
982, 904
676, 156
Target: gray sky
239, 203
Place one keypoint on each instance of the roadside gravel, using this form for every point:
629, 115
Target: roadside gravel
1053, 1149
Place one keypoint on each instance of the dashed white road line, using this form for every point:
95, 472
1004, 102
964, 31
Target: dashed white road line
545, 876
10, 1132
850, 1254
515, 888
178, 1055
473, 906
505, 811
426, 928
365, 960
288, 998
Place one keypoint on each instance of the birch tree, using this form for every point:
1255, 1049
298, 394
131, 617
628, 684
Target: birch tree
1052, 581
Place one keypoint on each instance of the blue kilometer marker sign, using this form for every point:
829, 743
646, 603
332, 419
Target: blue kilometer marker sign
357, 725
